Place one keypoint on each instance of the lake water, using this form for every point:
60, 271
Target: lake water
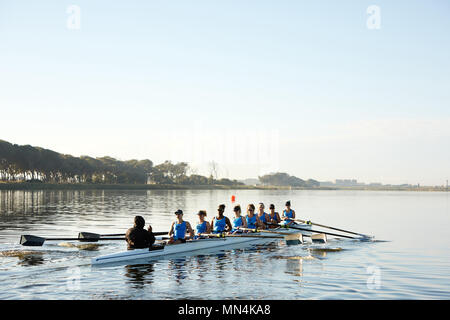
412, 263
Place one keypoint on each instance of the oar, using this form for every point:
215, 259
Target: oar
30, 240
88, 236
334, 228
240, 235
263, 230
310, 230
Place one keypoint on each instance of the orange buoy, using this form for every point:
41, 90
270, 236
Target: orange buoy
233, 198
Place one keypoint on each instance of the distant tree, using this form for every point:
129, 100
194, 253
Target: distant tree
213, 169
228, 182
313, 183
283, 179
170, 173
196, 179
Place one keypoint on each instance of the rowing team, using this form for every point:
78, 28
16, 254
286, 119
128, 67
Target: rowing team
180, 230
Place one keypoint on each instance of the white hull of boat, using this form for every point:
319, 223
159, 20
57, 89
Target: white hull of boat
192, 246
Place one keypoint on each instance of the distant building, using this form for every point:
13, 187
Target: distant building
346, 182
327, 184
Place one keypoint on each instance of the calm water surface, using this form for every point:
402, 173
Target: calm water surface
414, 262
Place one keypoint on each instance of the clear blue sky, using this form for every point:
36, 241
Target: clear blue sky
234, 82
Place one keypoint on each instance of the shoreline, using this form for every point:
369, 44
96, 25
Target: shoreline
78, 186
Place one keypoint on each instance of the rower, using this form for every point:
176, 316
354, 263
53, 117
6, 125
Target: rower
178, 229
262, 216
220, 223
137, 237
288, 214
274, 217
203, 226
251, 218
238, 220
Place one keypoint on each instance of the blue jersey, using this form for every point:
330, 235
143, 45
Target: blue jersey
179, 230
263, 218
237, 222
201, 227
219, 225
289, 214
274, 217
251, 222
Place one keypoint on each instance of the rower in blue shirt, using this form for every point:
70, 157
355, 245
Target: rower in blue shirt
220, 223
179, 228
273, 216
288, 214
203, 226
238, 220
252, 219
262, 216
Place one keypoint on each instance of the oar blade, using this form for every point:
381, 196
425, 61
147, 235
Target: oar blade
31, 241
294, 239
88, 237
364, 237
319, 238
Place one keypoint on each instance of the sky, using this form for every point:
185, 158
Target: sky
318, 89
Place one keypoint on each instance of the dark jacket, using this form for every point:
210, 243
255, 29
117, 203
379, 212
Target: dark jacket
138, 238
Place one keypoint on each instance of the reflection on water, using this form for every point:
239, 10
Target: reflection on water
31, 260
295, 267
220, 263
140, 275
40, 201
22, 202
294, 264
322, 252
199, 264
178, 270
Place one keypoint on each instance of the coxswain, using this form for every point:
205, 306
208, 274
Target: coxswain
179, 228
220, 223
137, 237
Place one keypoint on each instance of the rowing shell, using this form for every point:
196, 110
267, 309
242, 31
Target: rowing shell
188, 247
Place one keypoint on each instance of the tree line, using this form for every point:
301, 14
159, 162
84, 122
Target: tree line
35, 164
